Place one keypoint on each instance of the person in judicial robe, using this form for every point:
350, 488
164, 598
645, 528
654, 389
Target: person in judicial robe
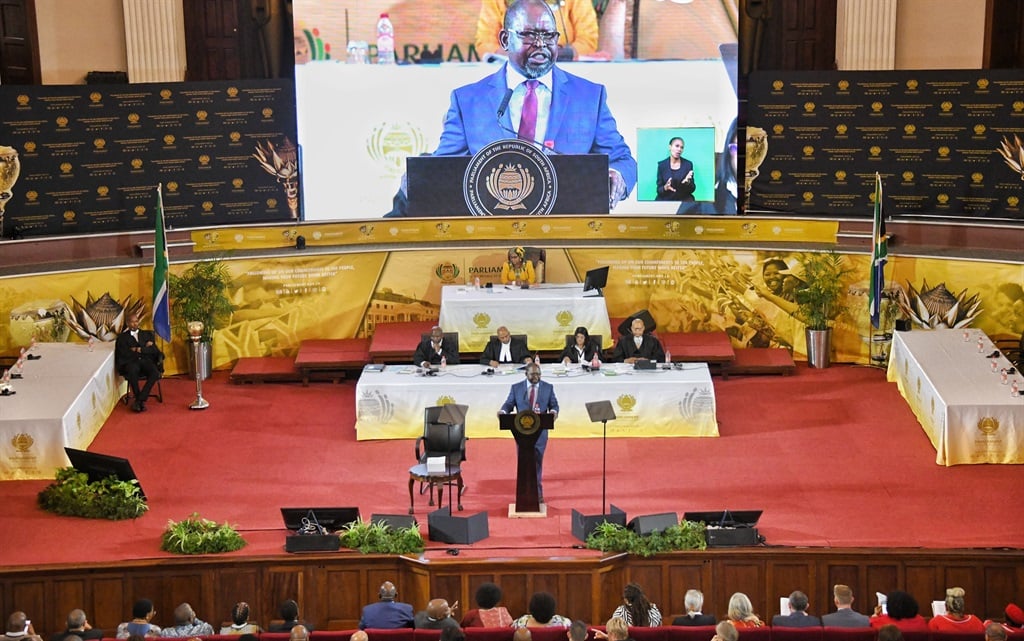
431, 350
505, 349
137, 356
638, 345
580, 349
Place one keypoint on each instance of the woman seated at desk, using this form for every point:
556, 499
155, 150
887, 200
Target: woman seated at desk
581, 349
517, 270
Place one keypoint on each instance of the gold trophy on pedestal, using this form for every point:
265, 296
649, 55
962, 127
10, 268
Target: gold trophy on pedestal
757, 151
10, 167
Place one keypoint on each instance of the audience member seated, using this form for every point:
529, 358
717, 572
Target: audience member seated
522, 634
616, 629
638, 345
694, 603
487, 614
741, 612
902, 611
78, 625
187, 624
431, 350
503, 348
142, 613
636, 609
1014, 623
889, 632
797, 617
955, 620
725, 631
289, 613
517, 270
995, 632
240, 623
437, 616
298, 632
453, 633
844, 616
541, 613
137, 356
359, 635
19, 628
387, 613
581, 349
578, 631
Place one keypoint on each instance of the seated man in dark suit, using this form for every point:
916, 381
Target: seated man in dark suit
694, 602
431, 350
137, 356
505, 349
798, 617
638, 345
844, 616
387, 613
78, 625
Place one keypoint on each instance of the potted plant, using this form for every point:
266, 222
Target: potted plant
820, 302
200, 293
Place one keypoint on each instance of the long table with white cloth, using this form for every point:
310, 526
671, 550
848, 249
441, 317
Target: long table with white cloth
61, 400
545, 313
673, 402
956, 389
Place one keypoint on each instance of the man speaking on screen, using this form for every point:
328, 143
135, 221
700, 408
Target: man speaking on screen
531, 99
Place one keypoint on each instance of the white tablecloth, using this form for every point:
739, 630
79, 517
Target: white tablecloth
545, 313
390, 404
62, 399
967, 412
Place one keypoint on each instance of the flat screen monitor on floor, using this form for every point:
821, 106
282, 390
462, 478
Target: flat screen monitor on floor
330, 518
596, 280
100, 466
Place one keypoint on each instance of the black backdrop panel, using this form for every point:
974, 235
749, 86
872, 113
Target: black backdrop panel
933, 135
91, 155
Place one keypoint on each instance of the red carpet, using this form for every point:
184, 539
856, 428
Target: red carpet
834, 458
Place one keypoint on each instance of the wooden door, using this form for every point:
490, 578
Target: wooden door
214, 46
788, 35
1004, 35
19, 44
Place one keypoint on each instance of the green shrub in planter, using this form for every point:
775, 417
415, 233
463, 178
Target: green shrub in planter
71, 494
612, 537
380, 538
196, 535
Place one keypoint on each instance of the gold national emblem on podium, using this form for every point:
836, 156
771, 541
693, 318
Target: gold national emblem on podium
510, 176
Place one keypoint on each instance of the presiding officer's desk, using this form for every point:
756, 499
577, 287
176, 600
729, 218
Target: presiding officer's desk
965, 409
674, 402
61, 400
545, 313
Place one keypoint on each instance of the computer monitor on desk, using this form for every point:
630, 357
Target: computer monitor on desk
595, 281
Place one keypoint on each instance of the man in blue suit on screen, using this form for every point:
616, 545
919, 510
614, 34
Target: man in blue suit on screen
531, 99
539, 396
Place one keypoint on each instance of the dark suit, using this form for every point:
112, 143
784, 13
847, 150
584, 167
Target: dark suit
147, 363
795, 620
85, 635
695, 620
573, 355
545, 401
650, 349
845, 618
517, 348
386, 615
683, 191
425, 352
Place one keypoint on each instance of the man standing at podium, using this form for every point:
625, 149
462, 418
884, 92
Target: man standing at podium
539, 396
531, 99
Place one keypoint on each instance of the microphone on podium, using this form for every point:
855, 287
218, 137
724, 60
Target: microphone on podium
503, 107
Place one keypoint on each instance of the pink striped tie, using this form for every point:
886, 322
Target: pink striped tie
528, 119
533, 396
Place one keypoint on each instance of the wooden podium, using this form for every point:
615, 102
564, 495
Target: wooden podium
526, 427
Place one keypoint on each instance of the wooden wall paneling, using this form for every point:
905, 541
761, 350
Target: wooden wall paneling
342, 604
516, 590
182, 588
29, 596
576, 599
231, 585
1001, 586
921, 581
608, 590
682, 577
881, 577
738, 575
846, 574
65, 596
282, 583
105, 602
784, 578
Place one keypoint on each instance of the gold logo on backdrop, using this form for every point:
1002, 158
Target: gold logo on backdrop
943, 151
564, 318
62, 121
99, 143
808, 196
172, 185
595, 225
775, 174
267, 112
390, 143
942, 198
207, 206
443, 228
626, 402
481, 319
65, 168
232, 92
988, 425
202, 115
32, 195
211, 237
510, 186
366, 230
272, 202
136, 163
908, 176
169, 139
909, 129
133, 118
1012, 201
290, 235
102, 191
444, 399
204, 160
22, 100
69, 215
30, 146
749, 228
809, 107
22, 442
1018, 105
165, 94
1013, 154
95, 96
843, 85
235, 136
778, 129
519, 227
982, 83
139, 210
876, 107
946, 106
808, 150
977, 177
840, 175
777, 85
447, 272
875, 150
841, 129
979, 129
912, 84
237, 183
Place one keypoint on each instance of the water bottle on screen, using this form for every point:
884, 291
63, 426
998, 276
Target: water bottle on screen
668, 357
385, 41
444, 363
